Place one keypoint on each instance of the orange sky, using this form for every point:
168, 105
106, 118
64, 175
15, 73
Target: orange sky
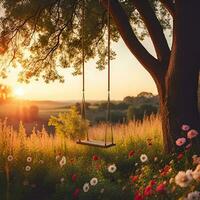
128, 77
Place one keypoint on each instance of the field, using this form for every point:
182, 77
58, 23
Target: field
47, 167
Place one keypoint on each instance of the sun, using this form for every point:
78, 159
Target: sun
19, 92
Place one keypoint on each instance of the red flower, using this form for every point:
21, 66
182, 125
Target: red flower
165, 171
133, 178
76, 193
152, 182
95, 157
160, 187
138, 196
131, 153
74, 177
148, 191
180, 156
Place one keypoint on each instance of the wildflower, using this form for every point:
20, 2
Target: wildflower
62, 180
192, 134
57, 157
189, 173
160, 188
10, 158
196, 173
171, 180
138, 196
188, 146
41, 161
136, 164
180, 141
74, 177
143, 158
180, 156
28, 168
63, 161
193, 195
182, 179
29, 159
152, 182
86, 187
148, 191
95, 157
155, 159
93, 181
196, 159
112, 168
102, 190
76, 193
133, 178
131, 153
185, 127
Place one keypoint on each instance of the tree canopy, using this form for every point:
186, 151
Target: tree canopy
45, 35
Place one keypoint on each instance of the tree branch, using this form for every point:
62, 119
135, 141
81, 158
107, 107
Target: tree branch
151, 64
155, 30
169, 5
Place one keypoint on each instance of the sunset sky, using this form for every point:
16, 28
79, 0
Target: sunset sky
128, 77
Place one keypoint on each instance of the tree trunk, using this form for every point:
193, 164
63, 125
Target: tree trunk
179, 99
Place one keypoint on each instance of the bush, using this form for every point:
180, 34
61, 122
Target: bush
69, 124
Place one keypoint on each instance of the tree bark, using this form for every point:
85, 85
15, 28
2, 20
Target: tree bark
177, 78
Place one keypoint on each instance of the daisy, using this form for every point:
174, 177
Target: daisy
28, 168
112, 168
182, 179
86, 187
193, 195
143, 158
63, 161
93, 181
29, 159
10, 158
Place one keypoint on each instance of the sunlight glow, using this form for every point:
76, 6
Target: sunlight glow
19, 92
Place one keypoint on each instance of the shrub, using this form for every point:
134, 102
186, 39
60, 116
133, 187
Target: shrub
69, 124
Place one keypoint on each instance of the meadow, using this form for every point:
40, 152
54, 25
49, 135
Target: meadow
46, 167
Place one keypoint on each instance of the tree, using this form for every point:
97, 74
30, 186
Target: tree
5, 92
51, 32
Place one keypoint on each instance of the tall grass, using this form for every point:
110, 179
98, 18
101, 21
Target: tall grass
15, 141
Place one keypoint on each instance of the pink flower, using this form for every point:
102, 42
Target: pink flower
192, 134
180, 141
138, 196
95, 157
160, 187
74, 177
188, 146
148, 191
180, 156
76, 193
131, 153
185, 127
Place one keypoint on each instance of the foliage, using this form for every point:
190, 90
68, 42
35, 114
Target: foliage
44, 36
69, 124
49, 178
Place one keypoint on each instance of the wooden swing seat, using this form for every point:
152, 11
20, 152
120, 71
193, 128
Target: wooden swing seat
96, 143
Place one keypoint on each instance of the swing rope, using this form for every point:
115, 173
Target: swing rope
83, 108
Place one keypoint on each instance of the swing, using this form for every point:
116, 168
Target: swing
88, 141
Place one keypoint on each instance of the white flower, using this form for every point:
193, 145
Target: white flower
63, 161
182, 179
62, 180
193, 195
86, 187
29, 159
28, 168
189, 174
136, 164
102, 190
10, 158
93, 181
112, 168
57, 157
143, 158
